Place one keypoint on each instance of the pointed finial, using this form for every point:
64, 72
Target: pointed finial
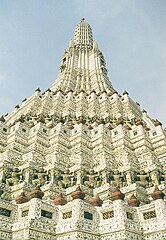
36, 193
117, 194
157, 194
38, 90
2, 119
17, 106
78, 194
60, 200
22, 198
133, 201
96, 201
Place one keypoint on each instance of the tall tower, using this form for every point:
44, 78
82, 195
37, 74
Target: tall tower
80, 161
83, 66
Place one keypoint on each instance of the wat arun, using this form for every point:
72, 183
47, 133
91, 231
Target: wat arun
80, 161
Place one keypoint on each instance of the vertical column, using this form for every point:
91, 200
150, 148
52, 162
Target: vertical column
35, 208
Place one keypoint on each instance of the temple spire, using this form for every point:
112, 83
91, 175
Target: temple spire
83, 65
83, 37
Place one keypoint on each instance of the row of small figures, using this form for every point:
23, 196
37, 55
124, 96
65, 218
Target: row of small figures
33, 119
92, 179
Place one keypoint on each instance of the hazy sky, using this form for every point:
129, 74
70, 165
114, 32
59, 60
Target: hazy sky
131, 34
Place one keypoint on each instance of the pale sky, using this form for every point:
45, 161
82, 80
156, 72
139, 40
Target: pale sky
131, 34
